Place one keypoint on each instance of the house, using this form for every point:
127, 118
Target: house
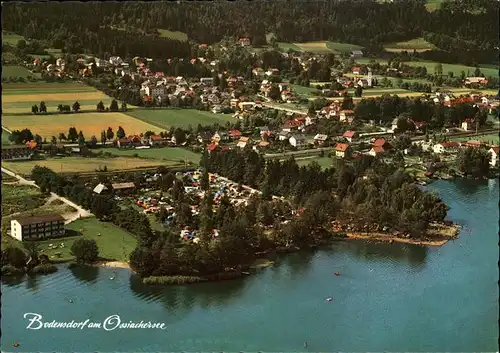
298, 141
244, 41
320, 139
284, 135
264, 131
376, 151
205, 137
446, 147
346, 116
246, 105
292, 125
130, 141
474, 143
219, 136
283, 87
207, 80
60, 62
356, 70
234, 102
261, 145
356, 54
494, 151
350, 135
211, 147
476, 81
235, 134
115, 60
342, 150
467, 124
16, 153
157, 140
100, 188
363, 83
123, 187
216, 109
101, 63
381, 143
37, 227
242, 143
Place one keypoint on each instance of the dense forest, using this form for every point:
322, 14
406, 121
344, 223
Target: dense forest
130, 28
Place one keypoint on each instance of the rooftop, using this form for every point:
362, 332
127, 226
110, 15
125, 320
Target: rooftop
39, 219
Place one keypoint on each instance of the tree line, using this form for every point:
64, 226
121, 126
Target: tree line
131, 28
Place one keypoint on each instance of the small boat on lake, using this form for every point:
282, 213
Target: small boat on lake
329, 299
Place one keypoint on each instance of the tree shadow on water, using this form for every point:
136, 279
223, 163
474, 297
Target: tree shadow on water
86, 274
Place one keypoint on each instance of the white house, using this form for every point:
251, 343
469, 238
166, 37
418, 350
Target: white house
341, 150
446, 147
467, 125
320, 138
100, 188
494, 151
298, 141
115, 60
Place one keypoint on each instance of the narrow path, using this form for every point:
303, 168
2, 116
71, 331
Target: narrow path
4, 128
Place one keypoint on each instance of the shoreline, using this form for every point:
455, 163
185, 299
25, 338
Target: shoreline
444, 233
114, 264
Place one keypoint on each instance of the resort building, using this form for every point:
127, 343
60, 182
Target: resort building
37, 227
16, 153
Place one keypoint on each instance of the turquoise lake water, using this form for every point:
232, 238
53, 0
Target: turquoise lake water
389, 297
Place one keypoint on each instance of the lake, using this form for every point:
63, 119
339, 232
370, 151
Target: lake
388, 297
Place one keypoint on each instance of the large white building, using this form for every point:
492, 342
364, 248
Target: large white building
38, 227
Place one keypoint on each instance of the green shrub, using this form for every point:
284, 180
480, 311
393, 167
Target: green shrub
44, 269
172, 279
9, 270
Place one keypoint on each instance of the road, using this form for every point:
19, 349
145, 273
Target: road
274, 106
80, 212
309, 152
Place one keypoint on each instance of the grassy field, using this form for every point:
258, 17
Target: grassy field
286, 46
343, 47
85, 165
20, 199
16, 71
5, 138
166, 153
319, 47
165, 33
324, 162
417, 44
433, 5
19, 97
306, 91
164, 118
89, 123
488, 138
10, 38
114, 243
430, 65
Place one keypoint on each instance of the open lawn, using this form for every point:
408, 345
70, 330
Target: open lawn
286, 46
114, 243
488, 138
432, 5
16, 71
19, 97
164, 118
314, 47
176, 154
85, 165
181, 36
10, 38
306, 91
343, 47
89, 123
324, 162
417, 44
5, 137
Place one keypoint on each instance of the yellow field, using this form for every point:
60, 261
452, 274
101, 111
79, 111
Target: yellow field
90, 123
27, 110
313, 46
53, 97
81, 164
